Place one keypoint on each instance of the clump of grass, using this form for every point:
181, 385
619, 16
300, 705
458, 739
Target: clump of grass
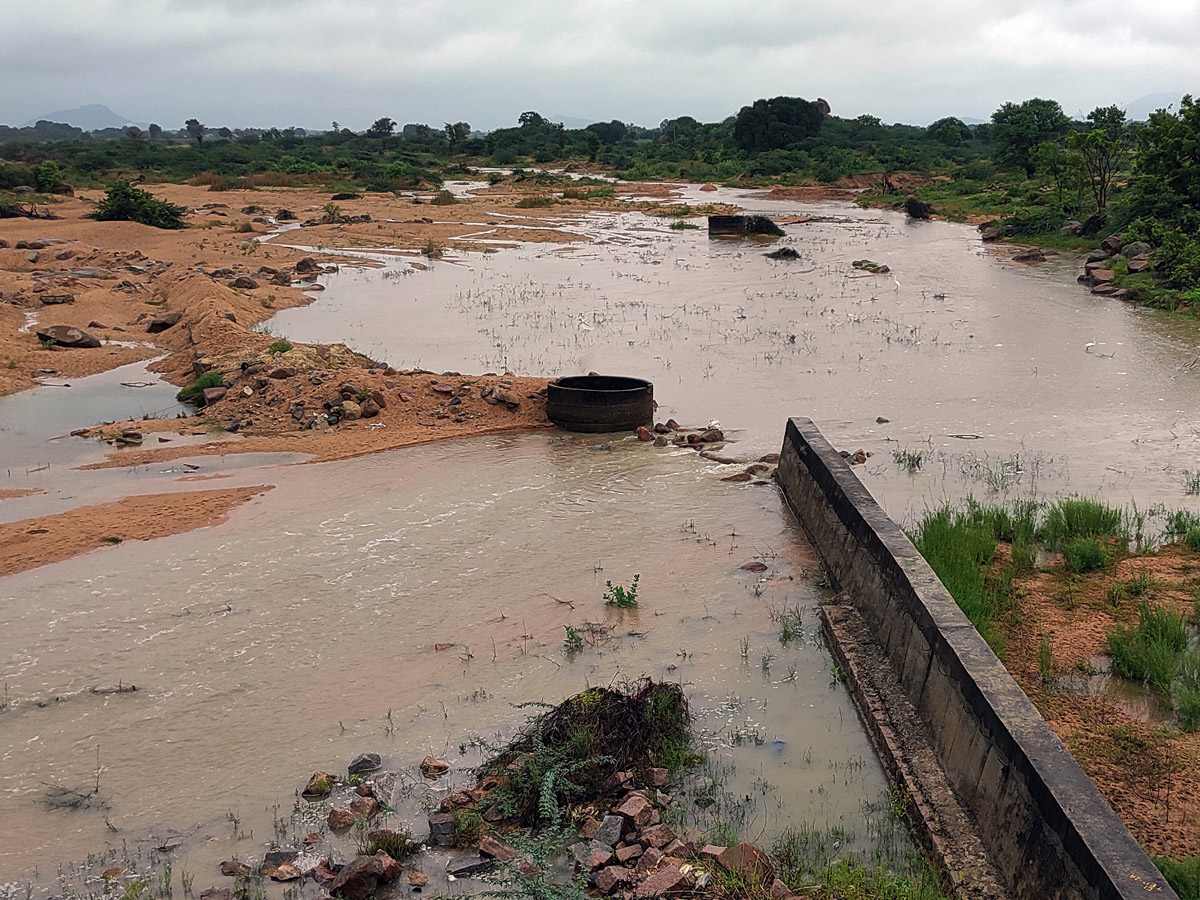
807, 860
616, 595
280, 346
1150, 651
443, 198
1079, 517
534, 202
1085, 554
1191, 482
397, 844
194, 392
908, 460
1186, 690
681, 225
1045, 658
1182, 874
1192, 539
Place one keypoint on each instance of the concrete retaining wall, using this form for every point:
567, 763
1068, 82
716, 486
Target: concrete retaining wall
1046, 826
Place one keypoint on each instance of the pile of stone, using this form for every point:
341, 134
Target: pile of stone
671, 432
1099, 265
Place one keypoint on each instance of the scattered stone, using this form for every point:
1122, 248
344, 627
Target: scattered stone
32, 256
672, 425
417, 879
649, 860
661, 882
351, 410
276, 858
441, 828
391, 868
1112, 244
468, 867
991, 235
434, 768
749, 862
1033, 254
610, 829
1136, 248
658, 777
636, 808
917, 209
285, 872
234, 867
609, 877
370, 409
340, 818
213, 394
1140, 264
493, 849
632, 852
322, 874
1071, 227
216, 893
657, 836
281, 372
1102, 276
712, 436
782, 253
755, 566
67, 336
359, 879
644, 434
244, 282
163, 322
867, 265
739, 477
364, 762
319, 785
364, 807
779, 890
57, 299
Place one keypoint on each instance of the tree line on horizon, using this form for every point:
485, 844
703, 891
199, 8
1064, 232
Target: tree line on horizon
1030, 165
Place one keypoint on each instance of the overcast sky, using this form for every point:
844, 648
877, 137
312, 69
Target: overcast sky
308, 62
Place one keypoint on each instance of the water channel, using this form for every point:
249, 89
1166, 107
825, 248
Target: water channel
303, 631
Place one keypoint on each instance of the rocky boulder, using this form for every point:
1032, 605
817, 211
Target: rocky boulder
67, 336
1112, 244
917, 209
163, 322
359, 879
1136, 248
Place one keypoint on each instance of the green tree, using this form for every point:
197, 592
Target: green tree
381, 128
1101, 149
47, 176
776, 124
195, 130
155, 131
949, 132
1170, 152
1018, 129
136, 137
457, 133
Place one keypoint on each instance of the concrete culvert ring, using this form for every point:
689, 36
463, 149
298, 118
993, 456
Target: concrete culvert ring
600, 403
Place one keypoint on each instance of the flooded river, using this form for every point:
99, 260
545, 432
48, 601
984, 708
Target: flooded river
303, 632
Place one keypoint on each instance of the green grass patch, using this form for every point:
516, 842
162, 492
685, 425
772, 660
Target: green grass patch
1085, 555
1149, 652
194, 392
535, 202
1079, 517
280, 346
1183, 875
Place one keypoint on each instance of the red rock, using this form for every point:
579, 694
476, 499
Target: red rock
365, 790
1100, 276
405, 397
635, 807
322, 874
591, 827
340, 818
740, 476
749, 862
391, 868
457, 799
359, 879
661, 882
434, 768
112, 873
755, 566
320, 784
492, 848
233, 867
599, 855
364, 807
625, 854
771, 458
672, 425
418, 879
649, 861
644, 433
608, 878
285, 872
658, 777
657, 836
779, 890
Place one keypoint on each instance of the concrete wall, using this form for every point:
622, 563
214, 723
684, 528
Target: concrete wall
1046, 826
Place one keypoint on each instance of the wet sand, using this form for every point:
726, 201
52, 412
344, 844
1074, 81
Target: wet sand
31, 543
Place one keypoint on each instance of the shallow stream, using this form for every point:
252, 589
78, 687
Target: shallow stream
303, 632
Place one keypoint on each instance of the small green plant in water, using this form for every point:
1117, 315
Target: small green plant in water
616, 595
908, 460
681, 225
572, 640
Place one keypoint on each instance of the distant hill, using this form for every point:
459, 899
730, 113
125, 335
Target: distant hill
92, 117
1139, 110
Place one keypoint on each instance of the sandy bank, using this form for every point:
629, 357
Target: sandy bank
48, 539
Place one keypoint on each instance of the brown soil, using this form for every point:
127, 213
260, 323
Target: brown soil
47, 539
13, 493
1148, 774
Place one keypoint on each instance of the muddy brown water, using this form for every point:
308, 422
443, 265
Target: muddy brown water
303, 631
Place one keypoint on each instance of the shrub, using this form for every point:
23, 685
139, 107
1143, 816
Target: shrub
194, 392
443, 198
126, 203
280, 346
535, 201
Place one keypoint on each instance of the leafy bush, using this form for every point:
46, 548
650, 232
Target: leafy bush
126, 203
280, 346
534, 202
194, 392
